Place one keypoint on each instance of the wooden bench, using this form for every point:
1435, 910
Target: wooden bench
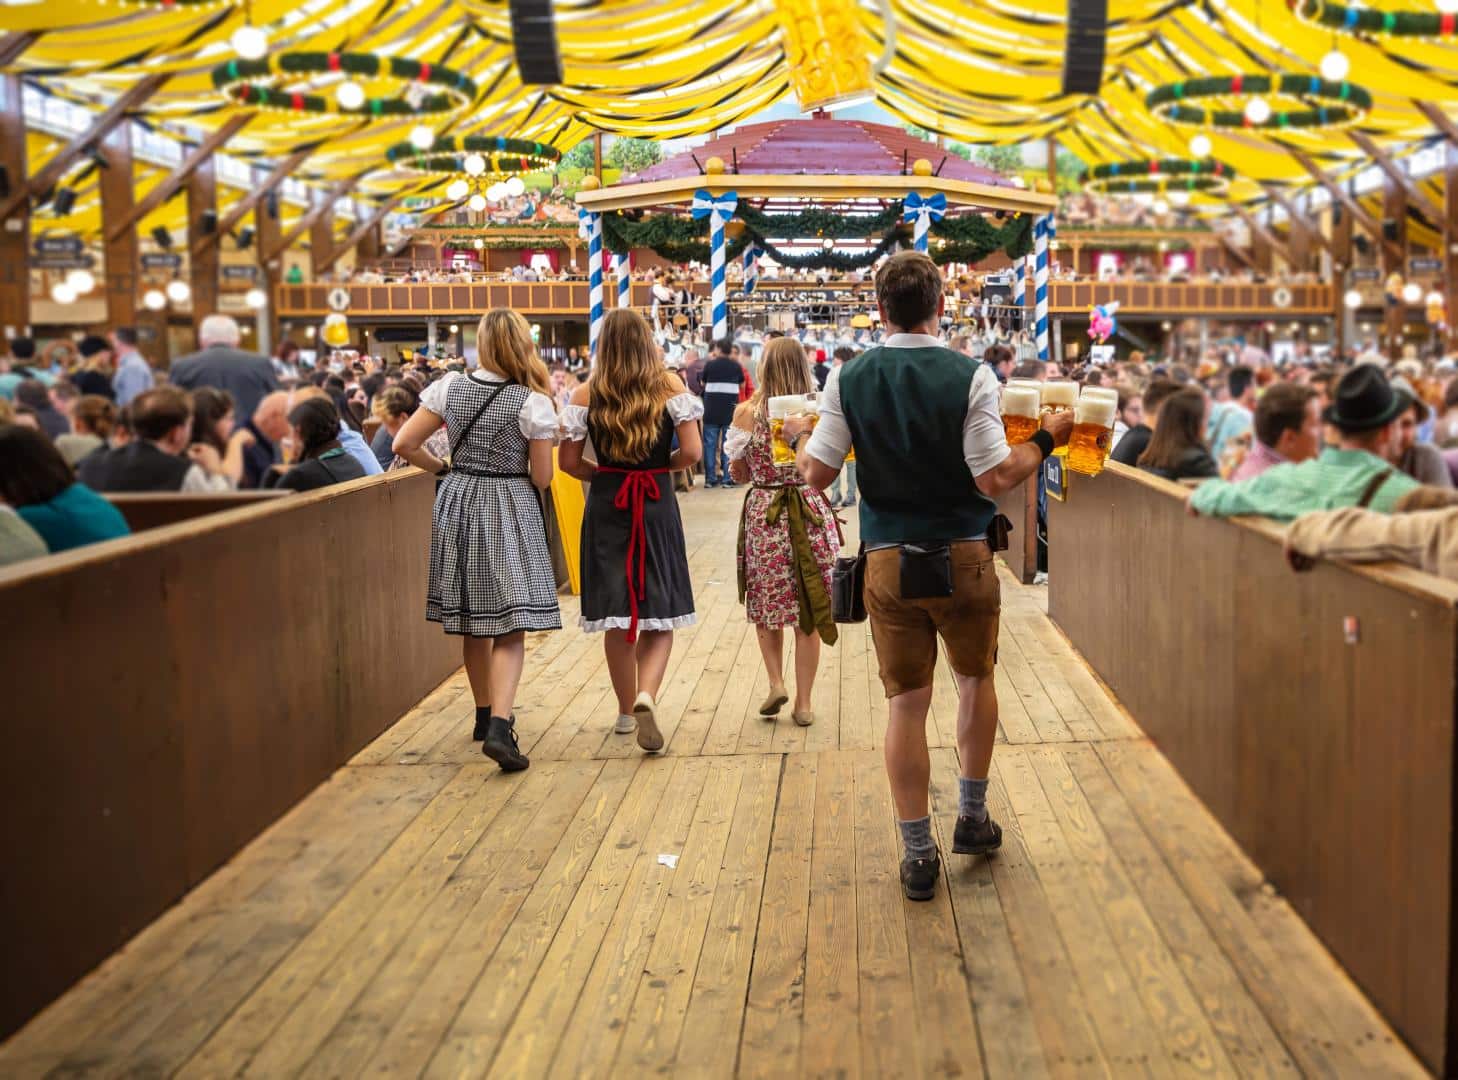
170, 694
153, 509
1313, 713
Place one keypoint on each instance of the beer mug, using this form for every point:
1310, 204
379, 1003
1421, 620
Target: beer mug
1020, 408
1058, 395
1093, 430
780, 410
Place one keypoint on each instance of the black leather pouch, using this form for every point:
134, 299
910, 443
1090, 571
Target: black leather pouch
926, 571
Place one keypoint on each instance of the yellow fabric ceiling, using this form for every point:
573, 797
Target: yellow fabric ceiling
985, 71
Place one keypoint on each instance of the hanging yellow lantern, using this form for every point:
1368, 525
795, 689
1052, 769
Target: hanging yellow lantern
826, 52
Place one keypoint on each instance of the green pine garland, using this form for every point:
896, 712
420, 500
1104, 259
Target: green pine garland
1325, 103
1372, 21
247, 82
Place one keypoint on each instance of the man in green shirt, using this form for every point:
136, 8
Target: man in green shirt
1365, 410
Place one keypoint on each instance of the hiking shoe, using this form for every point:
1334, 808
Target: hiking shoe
500, 745
919, 876
976, 837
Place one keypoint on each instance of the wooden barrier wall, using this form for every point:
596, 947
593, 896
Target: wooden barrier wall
1021, 507
153, 509
1314, 714
169, 695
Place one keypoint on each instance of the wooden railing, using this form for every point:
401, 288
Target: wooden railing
1231, 300
153, 509
169, 695
1313, 713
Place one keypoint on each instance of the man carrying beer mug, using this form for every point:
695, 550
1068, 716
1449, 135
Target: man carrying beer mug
932, 456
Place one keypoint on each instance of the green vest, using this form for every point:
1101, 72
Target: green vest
905, 409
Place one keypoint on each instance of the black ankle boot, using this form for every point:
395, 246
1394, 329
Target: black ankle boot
500, 745
483, 721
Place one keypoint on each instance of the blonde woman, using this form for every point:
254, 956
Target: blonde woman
618, 432
788, 540
491, 574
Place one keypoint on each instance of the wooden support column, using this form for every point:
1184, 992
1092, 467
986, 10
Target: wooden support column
268, 236
1450, 241
122, 251
1394, 261
1341, 252
202, 203
370, 245
321, 238
1260, 252
15, 232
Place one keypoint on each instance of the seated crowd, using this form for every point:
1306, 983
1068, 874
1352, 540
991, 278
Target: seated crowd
220, 420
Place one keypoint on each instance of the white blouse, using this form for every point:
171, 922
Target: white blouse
683, 408
537, 419
737, 442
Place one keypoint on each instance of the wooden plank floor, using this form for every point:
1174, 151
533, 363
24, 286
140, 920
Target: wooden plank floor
424, 914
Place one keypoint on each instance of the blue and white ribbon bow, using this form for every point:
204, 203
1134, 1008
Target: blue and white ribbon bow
718, 209
922, 212
752, 255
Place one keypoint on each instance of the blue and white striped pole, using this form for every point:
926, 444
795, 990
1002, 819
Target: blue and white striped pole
921, 213
1020, 282
1043, 232
594, 280
718, 209
625, 280
751, 268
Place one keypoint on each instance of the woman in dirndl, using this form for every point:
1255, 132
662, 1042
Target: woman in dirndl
491, 577
788, 537
618, 433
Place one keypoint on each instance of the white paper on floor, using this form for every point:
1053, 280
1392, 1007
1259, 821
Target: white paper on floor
670, 861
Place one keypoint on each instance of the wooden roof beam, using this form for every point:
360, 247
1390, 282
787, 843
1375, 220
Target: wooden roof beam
1299, 219
1279, 246
1398, 175
1440, 120
13, 46
429, 219
318, 210
1371, 225
53, 170
1239, 253
169, 185
358, 233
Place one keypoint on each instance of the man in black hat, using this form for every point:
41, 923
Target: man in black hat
1356, 472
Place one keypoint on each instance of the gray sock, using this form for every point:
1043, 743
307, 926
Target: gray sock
972, 798
916, 837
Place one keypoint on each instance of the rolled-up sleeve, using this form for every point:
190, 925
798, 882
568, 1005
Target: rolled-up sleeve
831, 440
984, 441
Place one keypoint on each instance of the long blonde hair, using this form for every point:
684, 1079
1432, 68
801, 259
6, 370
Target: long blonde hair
504, 342
628, 388
784, 369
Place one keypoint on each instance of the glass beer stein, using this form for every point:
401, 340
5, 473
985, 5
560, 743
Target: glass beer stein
1020, 412
1093, 431
1058, 395
782, 409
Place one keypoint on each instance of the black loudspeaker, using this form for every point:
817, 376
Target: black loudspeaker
208, 222
65, 199
245, 237
534, 39
4, 182
1362, 244
270, 205
1083, 51
163, 236
1389, 230
1336, 213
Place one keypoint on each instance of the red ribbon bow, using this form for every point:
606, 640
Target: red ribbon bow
638, 486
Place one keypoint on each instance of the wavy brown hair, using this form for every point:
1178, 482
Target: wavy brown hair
784, 370
628, 388
504, 344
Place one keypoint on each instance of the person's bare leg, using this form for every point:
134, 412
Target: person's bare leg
507, 656
654, 649
908, 765
772, 649
477, 654
807, 662
622, 662
976, 725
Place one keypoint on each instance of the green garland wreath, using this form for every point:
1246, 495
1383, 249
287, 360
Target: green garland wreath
249, 82
448, 155
1164, 174
1368, 20
1341, 102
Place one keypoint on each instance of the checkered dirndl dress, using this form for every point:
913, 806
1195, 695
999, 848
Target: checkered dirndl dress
490, 568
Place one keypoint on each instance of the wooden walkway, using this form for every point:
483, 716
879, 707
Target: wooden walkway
422, 913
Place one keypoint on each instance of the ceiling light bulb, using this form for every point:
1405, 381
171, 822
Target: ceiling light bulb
257, 299
1412, 292
1180, 198
457, 190
477, 202
478, 243
249, 42
349, 94
1433, 299
475, 164
83, 281
455, 328
1160, 208
1258, 110
515, 186
178, 291
421, 137
1352, 299
62, 293
1200, 146
154, 300
1448, 7
1335, 65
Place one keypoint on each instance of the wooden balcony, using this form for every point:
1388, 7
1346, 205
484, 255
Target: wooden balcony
1229, 300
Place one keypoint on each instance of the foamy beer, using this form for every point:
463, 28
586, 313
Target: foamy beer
1059, 395
780, 410
1020, 409
1093, 431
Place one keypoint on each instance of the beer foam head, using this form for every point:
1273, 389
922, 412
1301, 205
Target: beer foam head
1060, 392
1020, 400
1100, 392
1095, 410
791, 405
